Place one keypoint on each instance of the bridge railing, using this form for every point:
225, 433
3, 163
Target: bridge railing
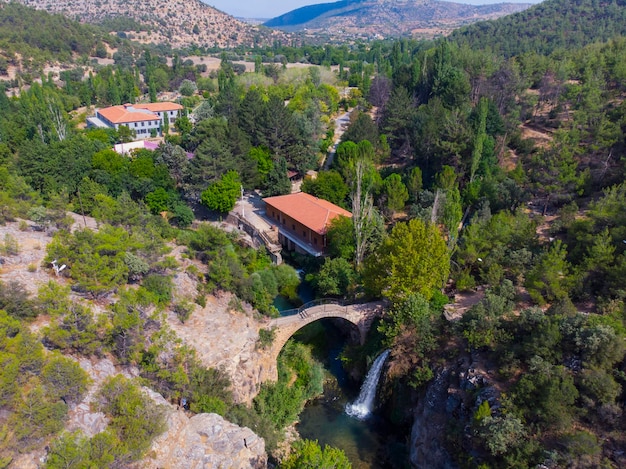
310, 304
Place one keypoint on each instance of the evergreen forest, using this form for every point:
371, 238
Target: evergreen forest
486, 177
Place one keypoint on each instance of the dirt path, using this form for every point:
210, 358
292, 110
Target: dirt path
341, 125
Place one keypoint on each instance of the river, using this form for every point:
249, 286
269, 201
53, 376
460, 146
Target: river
369, 443
325, 419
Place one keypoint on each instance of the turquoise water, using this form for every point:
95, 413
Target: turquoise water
305, 294
325, 420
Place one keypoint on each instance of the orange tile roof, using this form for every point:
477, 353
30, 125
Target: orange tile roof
316, 214
159, 107
121, 115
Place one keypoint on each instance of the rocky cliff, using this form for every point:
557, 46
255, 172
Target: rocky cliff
224, 334
449, 402
205, 441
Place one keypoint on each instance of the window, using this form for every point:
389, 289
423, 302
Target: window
143, 124
304, 233
314, 240
293, 227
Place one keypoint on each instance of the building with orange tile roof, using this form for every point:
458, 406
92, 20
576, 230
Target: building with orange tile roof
143, 119
302, 221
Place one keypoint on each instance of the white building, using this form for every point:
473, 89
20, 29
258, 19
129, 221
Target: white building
143, 119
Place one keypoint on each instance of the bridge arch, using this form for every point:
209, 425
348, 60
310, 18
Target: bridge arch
361, 315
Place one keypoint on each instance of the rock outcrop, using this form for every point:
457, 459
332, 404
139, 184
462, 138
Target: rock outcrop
427, 435
225, 338
453, 396
205, 441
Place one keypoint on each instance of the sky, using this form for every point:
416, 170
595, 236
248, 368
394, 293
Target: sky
272, 8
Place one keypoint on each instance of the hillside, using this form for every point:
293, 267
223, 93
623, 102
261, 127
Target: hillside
36, 41
389, 17
179, 23
551, 25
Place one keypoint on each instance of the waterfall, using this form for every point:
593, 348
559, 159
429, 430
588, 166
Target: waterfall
362, 407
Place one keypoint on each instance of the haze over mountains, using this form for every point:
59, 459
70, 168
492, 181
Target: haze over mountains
182, 23
389, 17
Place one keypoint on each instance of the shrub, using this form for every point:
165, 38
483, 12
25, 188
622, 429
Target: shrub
160, 287
266, 337
135, 420
310, 454
10, 247
183, 310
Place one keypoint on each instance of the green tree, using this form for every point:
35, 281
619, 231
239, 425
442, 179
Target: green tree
328, 185
69, 451
134, 418
75, 332
340, 237
187, 88
395, 192
410, 328
158, 201
64, 379
222, 195
481, 323
183, 125
310, 455
277, 181
501, 433
335, 277
36, 417
95, 260
414, 258
547, 394
414, 183
549, 279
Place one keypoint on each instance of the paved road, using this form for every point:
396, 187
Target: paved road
341, 124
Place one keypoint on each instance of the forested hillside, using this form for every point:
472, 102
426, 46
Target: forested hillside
29, 35
488, 197
547, 27
177, 23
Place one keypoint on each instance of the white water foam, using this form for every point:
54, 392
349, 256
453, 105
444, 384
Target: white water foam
362, 407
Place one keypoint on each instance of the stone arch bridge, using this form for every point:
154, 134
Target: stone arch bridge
360, 315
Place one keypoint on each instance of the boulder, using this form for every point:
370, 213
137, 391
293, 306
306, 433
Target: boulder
205, 441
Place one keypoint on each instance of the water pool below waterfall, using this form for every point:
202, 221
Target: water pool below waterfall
326, 420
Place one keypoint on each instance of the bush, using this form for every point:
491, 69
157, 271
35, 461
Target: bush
308, 453
64, 379
10, 247
208, 404
135, 420
160, 287
266, 337
465, 281
183, 310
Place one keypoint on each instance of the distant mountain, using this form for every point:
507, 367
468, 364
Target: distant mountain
548, 26
179, 23
389, 17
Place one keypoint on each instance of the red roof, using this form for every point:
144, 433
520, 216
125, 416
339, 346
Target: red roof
316, 214
159, 107
128, 113
124, 115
